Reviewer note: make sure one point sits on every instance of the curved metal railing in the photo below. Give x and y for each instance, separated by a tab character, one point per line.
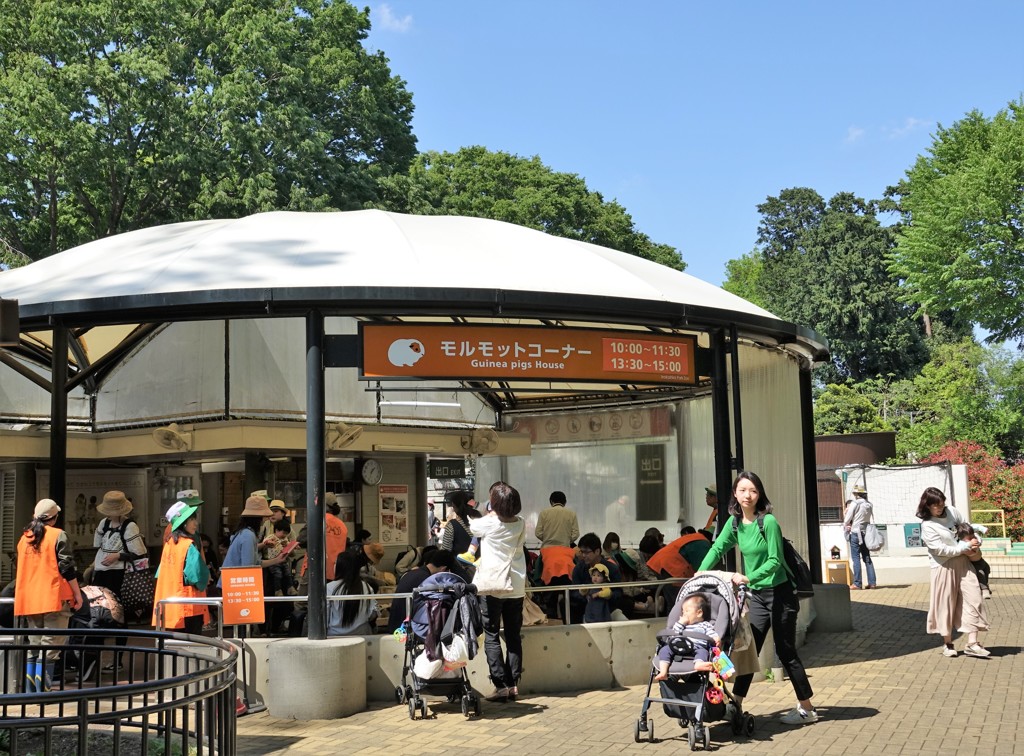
174	694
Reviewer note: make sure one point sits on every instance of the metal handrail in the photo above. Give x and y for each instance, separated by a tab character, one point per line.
173	694
567	590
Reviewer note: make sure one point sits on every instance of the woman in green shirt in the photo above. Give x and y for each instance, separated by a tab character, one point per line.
773	601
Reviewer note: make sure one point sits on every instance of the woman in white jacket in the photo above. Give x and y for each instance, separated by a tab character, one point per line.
955	591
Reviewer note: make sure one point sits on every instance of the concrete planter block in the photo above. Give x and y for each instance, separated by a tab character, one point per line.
321	679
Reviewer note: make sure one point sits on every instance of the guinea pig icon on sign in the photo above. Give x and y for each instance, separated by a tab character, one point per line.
405	352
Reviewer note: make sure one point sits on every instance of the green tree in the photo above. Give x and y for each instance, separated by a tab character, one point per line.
117	116
480	183
743	278
823	265
952	400
962	244
844	409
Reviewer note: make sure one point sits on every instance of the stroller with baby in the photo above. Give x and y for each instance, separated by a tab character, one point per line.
696	698
440	637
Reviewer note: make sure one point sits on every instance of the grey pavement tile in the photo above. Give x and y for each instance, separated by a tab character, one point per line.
883	687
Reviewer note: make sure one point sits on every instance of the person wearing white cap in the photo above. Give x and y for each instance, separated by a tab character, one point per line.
46	590
858	515
183	572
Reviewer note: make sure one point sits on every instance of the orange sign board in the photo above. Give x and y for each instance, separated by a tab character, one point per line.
513	353
242	591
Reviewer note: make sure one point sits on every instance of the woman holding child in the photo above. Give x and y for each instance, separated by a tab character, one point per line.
955	591
773	600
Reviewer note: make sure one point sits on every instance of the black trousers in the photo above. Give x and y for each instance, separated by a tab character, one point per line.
504	671
777	609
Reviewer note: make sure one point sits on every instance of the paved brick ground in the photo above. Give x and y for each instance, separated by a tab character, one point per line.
884	687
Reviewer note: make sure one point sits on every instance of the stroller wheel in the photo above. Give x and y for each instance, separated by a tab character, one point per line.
748	724
691	737
638	727
423	708
400	694
650	731
412	708
465	706
476	706
707	739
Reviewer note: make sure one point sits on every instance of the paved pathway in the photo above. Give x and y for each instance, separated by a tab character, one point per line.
882	688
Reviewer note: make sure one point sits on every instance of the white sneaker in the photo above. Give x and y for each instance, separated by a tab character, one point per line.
799	717
947	651
976	649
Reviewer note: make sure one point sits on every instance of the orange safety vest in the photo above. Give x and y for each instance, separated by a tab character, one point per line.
556	561
669	559
171	582
336	538
39	588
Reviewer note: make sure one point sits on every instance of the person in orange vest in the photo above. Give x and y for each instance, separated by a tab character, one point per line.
46	590
678	558
182	573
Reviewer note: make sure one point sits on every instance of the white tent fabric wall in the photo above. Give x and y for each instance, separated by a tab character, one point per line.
179	373
895	492
697	458
592	476
20	397
772	441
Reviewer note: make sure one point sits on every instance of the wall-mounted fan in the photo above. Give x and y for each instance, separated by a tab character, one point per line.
173	438
480	441
341	435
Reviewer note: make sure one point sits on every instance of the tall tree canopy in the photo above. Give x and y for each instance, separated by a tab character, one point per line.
823	265
962	245
117	116
478	182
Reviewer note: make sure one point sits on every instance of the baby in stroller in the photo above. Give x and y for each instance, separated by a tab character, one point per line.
695	624
703	622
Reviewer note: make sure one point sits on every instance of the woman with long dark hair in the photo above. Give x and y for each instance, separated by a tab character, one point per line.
46	590
350	617
456	536
955	599
773	600
244	548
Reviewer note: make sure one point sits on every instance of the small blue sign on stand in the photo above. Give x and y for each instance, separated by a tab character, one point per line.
912	534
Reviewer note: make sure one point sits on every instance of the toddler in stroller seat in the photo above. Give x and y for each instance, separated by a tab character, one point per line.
440	637
691	663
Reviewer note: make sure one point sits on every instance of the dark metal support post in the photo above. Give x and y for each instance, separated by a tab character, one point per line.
810	475
59	418
316	473
734	357
720	418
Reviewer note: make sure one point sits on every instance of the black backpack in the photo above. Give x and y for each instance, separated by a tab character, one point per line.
799	572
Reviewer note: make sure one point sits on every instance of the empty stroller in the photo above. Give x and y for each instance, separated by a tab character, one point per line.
440	638
689	695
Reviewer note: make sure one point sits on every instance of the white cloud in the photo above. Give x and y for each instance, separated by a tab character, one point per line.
910	125
854	134
388	21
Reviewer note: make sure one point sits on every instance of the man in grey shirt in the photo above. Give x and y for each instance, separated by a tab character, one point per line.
858	515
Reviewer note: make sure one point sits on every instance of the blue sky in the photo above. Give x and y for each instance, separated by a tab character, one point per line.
691	114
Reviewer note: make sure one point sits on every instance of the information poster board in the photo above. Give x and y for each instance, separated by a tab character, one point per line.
394	514
242	591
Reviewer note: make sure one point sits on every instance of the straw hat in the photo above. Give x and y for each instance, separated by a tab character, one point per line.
45	509
256	506
278	504
374	552
114	504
